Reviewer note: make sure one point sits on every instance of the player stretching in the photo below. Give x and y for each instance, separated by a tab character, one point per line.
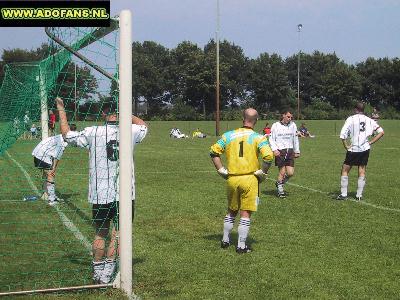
242	147
358	128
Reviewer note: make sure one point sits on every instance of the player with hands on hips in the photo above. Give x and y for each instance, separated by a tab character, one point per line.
242	148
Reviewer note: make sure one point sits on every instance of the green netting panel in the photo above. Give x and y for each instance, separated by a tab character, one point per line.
50	246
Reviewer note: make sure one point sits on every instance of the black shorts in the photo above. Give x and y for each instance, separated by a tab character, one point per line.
356	158
103	214
286	158
40	164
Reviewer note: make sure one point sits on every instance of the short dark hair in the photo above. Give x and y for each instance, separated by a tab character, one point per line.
109	107
72	127
359	106
285	111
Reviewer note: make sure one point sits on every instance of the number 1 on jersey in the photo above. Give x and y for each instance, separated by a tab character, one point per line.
241	149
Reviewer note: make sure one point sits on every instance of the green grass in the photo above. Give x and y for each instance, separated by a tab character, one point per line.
306	246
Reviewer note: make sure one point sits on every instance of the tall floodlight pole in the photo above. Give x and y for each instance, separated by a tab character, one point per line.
299	27
217	75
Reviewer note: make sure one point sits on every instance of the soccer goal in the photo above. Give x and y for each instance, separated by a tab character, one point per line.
48	248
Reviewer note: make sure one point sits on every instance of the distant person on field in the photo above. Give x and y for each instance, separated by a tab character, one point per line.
198	134
267	130
33	131
303	131
177	134
46	157
285	145
52	122
358	128
103	144
242	147
27	123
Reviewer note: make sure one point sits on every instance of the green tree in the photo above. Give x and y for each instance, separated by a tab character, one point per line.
189	74
341	85
381	81
234	73
151	65
268	82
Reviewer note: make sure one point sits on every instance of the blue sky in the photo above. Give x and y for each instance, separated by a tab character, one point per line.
354	29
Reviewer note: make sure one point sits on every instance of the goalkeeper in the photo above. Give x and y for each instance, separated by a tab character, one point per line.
242	147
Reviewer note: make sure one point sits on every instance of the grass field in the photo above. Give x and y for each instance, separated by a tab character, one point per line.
305	246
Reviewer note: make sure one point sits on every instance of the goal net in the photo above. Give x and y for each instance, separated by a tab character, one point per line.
50	247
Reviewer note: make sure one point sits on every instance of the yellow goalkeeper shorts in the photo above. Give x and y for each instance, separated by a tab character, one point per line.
242	192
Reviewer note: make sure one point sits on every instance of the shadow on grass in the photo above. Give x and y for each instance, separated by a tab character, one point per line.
234	239
87	219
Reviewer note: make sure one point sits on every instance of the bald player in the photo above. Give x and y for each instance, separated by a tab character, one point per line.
243	174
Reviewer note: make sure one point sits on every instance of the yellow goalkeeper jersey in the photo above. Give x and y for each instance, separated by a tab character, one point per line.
242	148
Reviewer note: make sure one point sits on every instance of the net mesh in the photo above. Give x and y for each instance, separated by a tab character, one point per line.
51	246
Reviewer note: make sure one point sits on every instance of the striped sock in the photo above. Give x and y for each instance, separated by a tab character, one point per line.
243	231
228	225
279	186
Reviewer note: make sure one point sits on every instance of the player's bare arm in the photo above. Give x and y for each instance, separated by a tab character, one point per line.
138	121
222	171
376	138
277	153
64	127
345	145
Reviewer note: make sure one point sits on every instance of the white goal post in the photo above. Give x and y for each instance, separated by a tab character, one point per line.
125	150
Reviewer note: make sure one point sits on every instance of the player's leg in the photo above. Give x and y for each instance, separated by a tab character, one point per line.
233	207
280	182
361	182
344	181
249	198
50	187
110	263
102	224
289	172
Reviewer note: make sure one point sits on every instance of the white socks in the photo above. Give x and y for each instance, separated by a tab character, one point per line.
228	225
51	190
98	267
344	183
103	270
360	186
243	231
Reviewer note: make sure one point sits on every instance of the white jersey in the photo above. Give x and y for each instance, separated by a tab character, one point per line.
50	148
102	142
359	128
284	137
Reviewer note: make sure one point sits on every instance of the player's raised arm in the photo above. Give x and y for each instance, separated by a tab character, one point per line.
64	127
138	121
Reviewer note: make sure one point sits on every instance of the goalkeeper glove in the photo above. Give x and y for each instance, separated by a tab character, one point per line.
223	172
261	176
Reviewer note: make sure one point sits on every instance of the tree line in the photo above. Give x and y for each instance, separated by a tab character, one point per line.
179	83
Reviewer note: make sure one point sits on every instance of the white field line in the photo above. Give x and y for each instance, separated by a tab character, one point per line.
289	183
67	222
326	193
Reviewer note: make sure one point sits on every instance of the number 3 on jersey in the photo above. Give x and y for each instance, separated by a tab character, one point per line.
362	126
